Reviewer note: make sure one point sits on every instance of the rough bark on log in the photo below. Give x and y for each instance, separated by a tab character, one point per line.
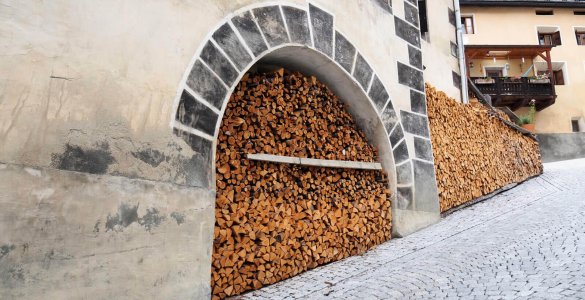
475	153
274	221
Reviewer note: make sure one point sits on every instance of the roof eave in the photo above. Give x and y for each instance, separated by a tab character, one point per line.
522	4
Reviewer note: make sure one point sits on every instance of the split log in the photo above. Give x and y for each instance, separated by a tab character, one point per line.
475	153
274	221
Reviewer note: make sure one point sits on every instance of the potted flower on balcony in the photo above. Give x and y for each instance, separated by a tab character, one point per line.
484	80
527	121
542	78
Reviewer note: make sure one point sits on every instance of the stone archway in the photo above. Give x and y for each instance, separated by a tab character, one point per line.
290	36
305	39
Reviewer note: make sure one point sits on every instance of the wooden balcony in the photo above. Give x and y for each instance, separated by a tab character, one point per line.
510	91
517	92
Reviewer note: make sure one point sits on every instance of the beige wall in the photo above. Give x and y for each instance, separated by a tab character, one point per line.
516	68
437	57
518	26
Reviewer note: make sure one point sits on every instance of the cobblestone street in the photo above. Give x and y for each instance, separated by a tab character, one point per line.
526	243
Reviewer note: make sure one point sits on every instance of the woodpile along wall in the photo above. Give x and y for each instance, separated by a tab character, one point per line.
475	153
274	221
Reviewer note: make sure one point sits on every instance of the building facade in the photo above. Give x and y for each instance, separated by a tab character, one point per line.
109	112
524	50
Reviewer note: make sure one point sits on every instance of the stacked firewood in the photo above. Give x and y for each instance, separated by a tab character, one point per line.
274	221
475	153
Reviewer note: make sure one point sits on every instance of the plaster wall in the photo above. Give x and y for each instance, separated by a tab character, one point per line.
518	26
438	60
516	67
561	146
88	105
72	235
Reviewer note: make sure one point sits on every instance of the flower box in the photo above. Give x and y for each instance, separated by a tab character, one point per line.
543	80
484	80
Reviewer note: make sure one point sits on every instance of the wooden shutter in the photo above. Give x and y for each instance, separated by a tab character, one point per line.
556	38
580	38
422	16
559	78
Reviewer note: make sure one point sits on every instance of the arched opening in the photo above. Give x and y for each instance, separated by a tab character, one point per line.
301	40
277	218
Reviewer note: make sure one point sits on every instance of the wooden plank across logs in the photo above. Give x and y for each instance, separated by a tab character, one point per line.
326	163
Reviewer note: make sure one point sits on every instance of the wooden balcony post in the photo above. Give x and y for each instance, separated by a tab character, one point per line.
549	65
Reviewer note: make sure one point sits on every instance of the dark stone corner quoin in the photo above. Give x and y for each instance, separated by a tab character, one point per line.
362	72
407	32
196	169
378	94
194	114
344	52
415	124
400	153
297	23
271	23
227	39
410	77
206	84
219	63
418	102
250	32
322	24
404	173
385	4
404	198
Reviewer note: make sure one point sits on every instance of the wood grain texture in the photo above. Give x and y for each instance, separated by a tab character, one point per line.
475	153
275	220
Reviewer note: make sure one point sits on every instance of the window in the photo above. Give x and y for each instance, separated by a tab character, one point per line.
559	77
494	72
452	17
422	16
580	38
545	12
553	39
575	125
467	22
559	71
456	80
579	13
454	49
549	35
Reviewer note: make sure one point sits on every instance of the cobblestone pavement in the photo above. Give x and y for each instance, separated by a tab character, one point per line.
526	243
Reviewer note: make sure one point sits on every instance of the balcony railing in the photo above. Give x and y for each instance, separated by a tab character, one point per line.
517	92
523	86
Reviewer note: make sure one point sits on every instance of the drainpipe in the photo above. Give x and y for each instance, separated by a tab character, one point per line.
461	53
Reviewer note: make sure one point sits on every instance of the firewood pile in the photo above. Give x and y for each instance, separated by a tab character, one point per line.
274	221
475	153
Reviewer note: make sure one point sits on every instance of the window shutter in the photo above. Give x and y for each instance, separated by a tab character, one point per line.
559	78
556	38
422	15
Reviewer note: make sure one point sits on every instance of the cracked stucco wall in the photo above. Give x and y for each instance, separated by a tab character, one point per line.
78	235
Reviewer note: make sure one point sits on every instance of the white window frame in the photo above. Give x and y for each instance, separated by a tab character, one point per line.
495	67
578	29
472	16
564	68
557	27
581	123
